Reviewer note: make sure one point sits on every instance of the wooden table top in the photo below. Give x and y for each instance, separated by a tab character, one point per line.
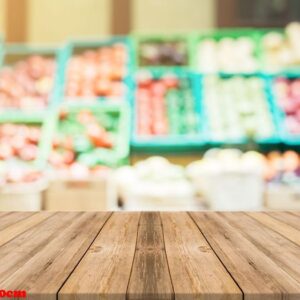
198	255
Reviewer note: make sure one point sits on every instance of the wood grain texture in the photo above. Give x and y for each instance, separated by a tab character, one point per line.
259	277
9	218
20	223
150	278
195	270
267	241
284	229
287	217
104	271
151	255
46	260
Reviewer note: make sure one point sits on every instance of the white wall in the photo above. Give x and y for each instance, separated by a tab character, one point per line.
57	20
173	15
2	16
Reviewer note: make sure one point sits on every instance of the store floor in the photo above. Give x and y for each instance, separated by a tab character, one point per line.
197	255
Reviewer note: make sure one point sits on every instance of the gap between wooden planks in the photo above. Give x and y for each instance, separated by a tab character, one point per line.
151	255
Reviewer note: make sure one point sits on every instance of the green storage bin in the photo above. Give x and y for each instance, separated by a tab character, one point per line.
139	39
111	113
43	150
263	142
11	54
78	46
217	35
284	71
173	142
287	138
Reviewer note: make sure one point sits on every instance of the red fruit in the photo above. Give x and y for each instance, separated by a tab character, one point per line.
68	157
56	159
85	117
171	82
28	153
158	89
295	89
63	114
102	87
98	136
6	152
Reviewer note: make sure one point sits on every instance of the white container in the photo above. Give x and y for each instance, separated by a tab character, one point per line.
161	199
234	191
23	196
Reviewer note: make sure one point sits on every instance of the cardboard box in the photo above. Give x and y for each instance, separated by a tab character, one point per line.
283	197
92	194
23	196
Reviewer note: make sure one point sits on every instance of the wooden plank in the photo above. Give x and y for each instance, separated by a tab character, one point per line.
259	277
195	270
16	20
121	17
104	271
20	223
284	229
150	278
9	218
150	218
43	274
268	241
287	217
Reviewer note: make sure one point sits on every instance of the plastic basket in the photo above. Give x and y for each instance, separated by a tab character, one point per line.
81	45
159	38
263	142
286	137
197	38
116	156
40	161
14	52
291	71
173	143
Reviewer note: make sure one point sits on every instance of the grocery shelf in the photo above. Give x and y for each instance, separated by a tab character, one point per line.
79	46
172	142
13	53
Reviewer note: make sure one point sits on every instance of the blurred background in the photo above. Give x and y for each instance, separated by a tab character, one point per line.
44	21
149	104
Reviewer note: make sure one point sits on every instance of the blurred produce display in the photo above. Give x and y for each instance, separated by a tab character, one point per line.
287	93
283	167
227	54
79	136
19	141
162	53
229	179
98	73
19	148
155	184
165	105
237	108
235	98
281	50
89	138
27	84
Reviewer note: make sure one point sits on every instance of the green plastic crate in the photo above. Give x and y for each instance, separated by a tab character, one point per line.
114	157
264	143
287	138
159	38
173	142
291	71
217	35
74	46
14	52
43	153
